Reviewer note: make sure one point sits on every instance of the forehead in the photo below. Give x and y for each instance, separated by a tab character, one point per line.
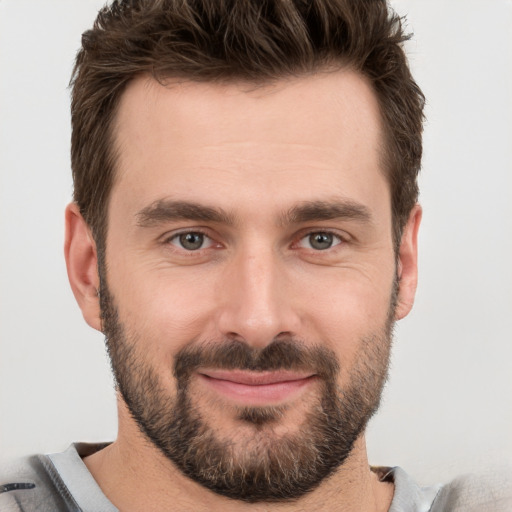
304	135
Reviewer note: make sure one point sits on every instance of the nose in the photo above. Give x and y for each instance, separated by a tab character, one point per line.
257	301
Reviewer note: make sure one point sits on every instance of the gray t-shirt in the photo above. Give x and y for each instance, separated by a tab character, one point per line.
61	482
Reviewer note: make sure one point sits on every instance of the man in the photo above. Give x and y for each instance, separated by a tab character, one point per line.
244	232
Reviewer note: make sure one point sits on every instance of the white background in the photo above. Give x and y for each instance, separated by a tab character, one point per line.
448	406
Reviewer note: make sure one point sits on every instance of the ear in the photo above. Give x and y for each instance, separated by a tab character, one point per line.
408	264
82	265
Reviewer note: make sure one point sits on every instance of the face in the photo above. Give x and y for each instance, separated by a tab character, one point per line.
248	292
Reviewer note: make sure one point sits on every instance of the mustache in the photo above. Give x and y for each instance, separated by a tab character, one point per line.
280	354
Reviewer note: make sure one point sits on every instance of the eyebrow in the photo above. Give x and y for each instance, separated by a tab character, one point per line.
327	210
165	210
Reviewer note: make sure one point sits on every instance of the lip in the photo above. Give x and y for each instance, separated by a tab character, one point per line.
256	388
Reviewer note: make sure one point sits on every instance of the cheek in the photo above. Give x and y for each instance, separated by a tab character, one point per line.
348	310
168	309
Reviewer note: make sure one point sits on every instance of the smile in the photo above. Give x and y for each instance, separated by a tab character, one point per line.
256	388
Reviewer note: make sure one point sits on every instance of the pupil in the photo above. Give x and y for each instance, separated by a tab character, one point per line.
320	241
191	241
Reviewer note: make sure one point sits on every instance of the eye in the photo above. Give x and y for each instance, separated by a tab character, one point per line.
191	241
320	241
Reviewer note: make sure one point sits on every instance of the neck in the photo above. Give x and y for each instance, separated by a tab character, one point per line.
135	475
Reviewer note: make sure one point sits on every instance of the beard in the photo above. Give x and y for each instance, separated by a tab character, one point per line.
253	462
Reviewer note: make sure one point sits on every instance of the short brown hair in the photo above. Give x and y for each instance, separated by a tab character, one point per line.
228	40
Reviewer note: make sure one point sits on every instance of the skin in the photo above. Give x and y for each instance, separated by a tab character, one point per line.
255	153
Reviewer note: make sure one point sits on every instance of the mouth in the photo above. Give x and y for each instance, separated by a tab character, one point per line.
256	388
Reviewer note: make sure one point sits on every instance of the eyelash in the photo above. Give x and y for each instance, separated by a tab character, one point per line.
334	235
341	240
196	231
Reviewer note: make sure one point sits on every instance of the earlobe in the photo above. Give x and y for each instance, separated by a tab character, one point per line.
407	267
82	265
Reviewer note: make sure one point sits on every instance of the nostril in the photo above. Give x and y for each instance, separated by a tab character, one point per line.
234	336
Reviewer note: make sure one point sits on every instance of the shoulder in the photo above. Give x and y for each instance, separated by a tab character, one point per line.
485	491
27	485
488	491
